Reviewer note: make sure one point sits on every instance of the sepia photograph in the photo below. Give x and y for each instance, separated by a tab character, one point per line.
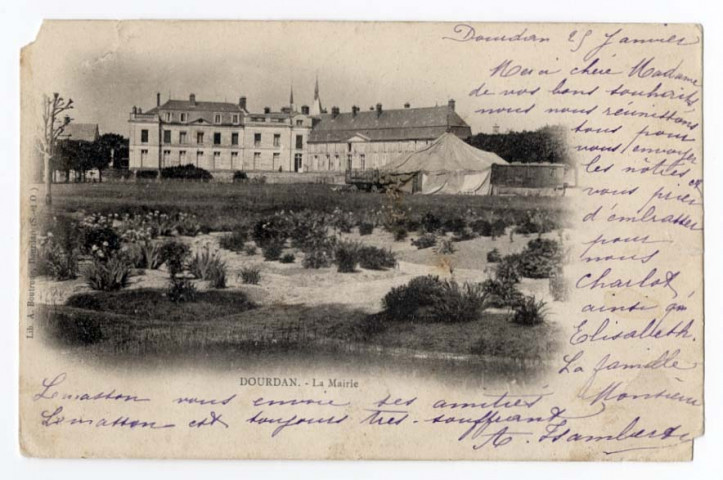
304	216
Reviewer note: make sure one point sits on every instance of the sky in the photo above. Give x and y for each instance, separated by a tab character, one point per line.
108	67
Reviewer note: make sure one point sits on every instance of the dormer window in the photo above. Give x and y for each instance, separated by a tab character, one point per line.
217	118
169	116
235	118
183	117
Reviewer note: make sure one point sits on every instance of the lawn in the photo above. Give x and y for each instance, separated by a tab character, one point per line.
294	309
221	206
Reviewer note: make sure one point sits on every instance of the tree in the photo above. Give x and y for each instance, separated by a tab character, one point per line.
110	147
53	127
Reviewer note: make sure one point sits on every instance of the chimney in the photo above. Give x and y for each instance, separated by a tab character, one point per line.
406	105
304	109
158	99
192	99
334	111
242	103
267	109
135	110
451	104
379	109
354	110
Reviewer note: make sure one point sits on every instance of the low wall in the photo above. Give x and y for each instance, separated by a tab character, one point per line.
331	178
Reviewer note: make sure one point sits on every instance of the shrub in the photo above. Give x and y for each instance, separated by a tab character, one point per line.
540	258
559	286
482	227
174	255
109	275
101	237
240	177
493	256
274	229
186	172
454	224
431	223
530	312
234	241
182	290
187	224
56	262
508	269
465	234
146	174
217	275
374	258
497	228
366	228
250	250
425	241
444	247
272	251
346	256
537	221
407	302
456	304
207	265
501	294
287	258
319	253
251	275
342	221
146	254
400	233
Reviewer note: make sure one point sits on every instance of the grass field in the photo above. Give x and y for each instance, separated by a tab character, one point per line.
294	310
221	205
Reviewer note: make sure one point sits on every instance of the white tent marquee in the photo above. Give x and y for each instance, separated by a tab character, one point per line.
447	166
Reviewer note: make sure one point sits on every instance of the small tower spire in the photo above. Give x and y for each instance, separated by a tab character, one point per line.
316	106
291	99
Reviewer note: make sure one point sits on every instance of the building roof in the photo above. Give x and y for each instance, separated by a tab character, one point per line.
389	125
87	132
188	106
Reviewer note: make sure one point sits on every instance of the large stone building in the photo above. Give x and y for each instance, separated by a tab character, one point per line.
217	136
369	139
226	137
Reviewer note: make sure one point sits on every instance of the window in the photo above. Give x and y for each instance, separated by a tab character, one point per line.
234	158
217	118
217	138
166	136
166	157
216	158
276	161
328	161
277	140
299	142
183	117
182	157
144	137
336	161
363	161
169	116
297	162
182	137
299	123
257	140
348	161
257	159
235	118
234	139
199	158
199	138
144	156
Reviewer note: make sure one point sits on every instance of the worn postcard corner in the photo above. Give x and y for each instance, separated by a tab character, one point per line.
362	240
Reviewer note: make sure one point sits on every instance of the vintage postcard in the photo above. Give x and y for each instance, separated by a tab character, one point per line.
362	240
